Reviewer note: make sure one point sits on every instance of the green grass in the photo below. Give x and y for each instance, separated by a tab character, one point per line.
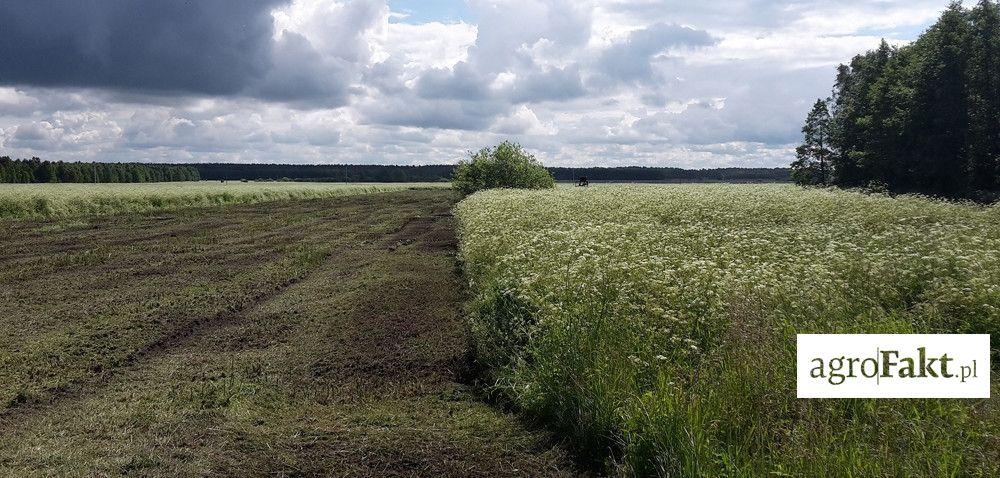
43	201
658	322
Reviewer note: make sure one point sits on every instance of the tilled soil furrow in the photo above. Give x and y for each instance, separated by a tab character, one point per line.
350	365
42	349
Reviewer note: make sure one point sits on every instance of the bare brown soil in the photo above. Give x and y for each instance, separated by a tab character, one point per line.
311	338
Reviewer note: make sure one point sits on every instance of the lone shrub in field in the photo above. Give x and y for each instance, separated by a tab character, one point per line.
506	165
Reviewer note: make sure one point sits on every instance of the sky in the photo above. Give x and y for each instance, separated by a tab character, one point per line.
718	83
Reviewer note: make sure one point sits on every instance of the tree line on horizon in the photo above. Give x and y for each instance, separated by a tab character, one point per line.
340	173
445	172
665	174
38	171
923	118
35	170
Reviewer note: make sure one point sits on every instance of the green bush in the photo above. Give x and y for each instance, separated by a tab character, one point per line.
506	165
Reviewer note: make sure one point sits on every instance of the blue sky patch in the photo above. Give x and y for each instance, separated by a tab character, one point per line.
424	11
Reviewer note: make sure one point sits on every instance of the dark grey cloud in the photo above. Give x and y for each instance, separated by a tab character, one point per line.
202	46
462	82
552	84
300	73
439	113
631	59
462	97
32	132
385	76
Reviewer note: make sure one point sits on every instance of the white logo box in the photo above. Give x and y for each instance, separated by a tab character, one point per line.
902	369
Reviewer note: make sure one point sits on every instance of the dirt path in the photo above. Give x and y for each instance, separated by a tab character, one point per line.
333	345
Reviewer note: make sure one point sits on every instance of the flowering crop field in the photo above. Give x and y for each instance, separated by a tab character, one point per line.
658	322
43	201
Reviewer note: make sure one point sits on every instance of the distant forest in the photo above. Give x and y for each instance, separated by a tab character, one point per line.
922	118
377	173
35	170
38	171
323	172
638	173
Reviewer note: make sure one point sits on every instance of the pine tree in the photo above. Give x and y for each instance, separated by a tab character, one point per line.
813	162
984	97
882	122
938	134
853	119
845	171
